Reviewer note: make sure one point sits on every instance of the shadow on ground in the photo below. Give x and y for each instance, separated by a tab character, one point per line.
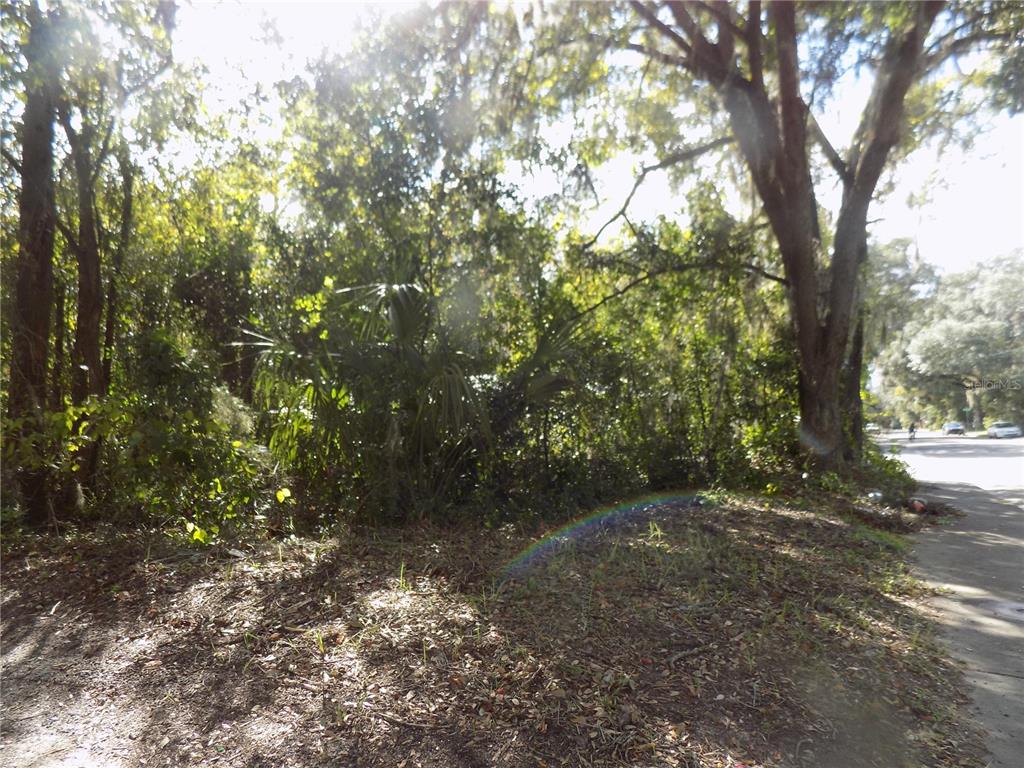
978	562
672	635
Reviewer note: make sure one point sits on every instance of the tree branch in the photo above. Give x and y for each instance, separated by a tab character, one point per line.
833	156
653	53
675	269
704	55
881	122
877	134
765	274
688	154
11	159
102	154
687	22
614	295
958	46
791	105
651	16
723	14
68	234
673	159
754	44
64	118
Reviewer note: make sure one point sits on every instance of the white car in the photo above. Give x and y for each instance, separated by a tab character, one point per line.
1004	429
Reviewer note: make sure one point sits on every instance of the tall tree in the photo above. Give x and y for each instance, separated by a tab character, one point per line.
30	323
771	123
99	80
86	366
965	345
763	67
127	172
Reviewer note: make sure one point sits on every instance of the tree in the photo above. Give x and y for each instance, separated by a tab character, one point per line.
965	345
765	68
98	81
30	323
92	70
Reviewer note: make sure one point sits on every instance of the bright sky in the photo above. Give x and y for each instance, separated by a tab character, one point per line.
977	198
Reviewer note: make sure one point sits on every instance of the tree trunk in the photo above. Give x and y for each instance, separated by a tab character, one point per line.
974	403
110	330
821	425
852	406
823	327
57	369
86	363
86	357
37	219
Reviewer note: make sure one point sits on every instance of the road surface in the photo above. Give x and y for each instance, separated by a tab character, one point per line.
979	560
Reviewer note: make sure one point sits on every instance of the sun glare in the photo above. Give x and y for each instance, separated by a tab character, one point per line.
245	45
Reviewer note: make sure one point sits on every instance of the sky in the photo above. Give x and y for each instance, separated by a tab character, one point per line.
976	205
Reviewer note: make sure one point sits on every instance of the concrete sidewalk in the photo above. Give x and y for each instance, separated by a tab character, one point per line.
979	559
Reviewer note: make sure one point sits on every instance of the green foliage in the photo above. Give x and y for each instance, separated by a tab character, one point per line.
172	451
960	356
177	447
886	473
389	401
364	319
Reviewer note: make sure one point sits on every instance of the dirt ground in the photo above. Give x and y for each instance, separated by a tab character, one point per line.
739	632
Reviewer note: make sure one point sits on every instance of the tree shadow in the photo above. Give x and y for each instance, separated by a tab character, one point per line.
667	631
981	610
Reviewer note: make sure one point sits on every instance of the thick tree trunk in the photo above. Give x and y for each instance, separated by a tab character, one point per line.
772	132
30	325
821	425
775	146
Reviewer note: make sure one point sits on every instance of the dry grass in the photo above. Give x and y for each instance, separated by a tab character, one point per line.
736	633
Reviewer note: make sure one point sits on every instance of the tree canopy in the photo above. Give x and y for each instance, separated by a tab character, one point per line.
371	315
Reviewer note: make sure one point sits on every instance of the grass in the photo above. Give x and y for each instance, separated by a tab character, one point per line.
884	539
756	630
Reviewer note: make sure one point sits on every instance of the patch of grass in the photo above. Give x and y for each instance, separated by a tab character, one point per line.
885	539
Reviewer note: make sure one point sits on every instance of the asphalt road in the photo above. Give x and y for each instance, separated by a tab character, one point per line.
979	562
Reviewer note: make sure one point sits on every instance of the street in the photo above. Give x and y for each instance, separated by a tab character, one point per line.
994	465
978	561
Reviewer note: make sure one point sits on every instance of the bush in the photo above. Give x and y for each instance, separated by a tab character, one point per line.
884	473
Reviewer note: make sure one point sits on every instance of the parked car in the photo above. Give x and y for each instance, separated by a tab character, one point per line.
952	428
871	428
1004	429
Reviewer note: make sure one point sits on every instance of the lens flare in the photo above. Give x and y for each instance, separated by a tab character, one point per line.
603	519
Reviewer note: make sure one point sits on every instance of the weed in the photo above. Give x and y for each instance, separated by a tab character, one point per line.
654	532
884	539
403	583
